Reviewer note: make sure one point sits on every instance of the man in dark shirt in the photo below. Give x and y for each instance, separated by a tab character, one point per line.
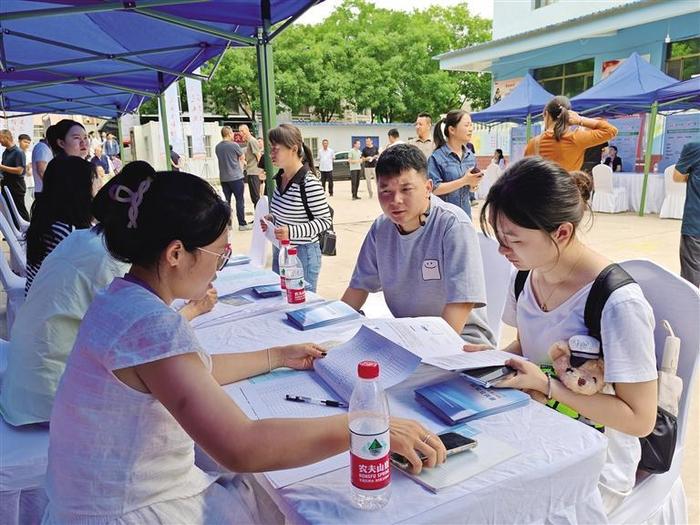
688	172
612	159
12	168
174	159
370	153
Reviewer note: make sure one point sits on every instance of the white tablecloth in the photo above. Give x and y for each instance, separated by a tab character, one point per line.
633	182
553	480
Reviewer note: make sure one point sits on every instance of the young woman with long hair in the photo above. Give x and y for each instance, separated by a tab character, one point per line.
69	186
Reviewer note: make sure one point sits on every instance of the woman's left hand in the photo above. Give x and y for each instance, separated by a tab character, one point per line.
528	376
282	233
300	356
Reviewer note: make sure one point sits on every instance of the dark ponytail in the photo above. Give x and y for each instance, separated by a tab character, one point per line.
558	110
174	206
537	194
451	120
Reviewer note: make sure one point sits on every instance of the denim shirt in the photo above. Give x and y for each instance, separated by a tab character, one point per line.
445	166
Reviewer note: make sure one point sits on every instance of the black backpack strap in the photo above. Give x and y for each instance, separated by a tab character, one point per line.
304	199
520	279
610	279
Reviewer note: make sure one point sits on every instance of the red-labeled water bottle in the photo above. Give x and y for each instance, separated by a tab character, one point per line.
294	278
368	416
283	261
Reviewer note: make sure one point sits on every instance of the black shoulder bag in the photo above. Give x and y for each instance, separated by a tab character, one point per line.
326	239
659	446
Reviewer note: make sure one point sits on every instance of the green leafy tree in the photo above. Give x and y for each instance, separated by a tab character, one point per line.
234	86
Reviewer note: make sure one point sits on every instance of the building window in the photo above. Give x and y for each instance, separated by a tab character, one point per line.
312	143
683	59
566	79
207	146
543	3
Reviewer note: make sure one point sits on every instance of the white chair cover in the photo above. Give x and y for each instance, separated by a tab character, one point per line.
259	244
5	211
497	271
14	289
23	224
674	201
18	253
606	197
491	175
23	460
659	498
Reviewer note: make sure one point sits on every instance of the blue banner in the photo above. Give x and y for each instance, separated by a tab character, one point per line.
680	129
518	141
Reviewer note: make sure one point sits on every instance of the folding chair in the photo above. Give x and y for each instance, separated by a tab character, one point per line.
607	198
659	498
23	224
14	289
18	253
674	199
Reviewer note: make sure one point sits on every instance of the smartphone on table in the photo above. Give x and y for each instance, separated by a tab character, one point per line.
454	443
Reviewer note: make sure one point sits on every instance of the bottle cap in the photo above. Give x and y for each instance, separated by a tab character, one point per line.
368	369
292	251
284	241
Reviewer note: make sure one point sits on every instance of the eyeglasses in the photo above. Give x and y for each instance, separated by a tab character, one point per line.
223	257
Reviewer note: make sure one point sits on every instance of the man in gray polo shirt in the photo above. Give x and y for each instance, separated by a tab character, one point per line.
423	253
230	156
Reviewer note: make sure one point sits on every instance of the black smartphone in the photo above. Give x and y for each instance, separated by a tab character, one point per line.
475	170
454	443
488	375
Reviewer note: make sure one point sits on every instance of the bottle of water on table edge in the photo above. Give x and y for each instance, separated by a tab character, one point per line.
294	278
283	261
368	416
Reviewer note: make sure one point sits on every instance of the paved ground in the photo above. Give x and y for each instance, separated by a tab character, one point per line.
619	237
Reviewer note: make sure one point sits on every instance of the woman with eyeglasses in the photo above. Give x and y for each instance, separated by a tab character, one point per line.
139	390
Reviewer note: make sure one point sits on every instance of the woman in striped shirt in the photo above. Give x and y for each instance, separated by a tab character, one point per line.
69	186
298	209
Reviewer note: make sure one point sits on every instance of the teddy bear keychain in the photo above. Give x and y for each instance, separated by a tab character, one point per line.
578	365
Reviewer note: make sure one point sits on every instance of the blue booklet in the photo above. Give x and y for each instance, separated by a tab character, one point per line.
458	400
322	314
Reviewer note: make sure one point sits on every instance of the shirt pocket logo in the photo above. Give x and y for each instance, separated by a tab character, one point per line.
431	270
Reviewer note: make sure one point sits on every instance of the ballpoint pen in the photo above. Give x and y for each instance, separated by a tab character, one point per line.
326	402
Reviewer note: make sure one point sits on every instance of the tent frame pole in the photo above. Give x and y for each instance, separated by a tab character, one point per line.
528	128
87	9
647	155
266	85
164	123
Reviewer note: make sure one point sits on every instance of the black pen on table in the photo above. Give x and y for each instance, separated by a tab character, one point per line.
326	402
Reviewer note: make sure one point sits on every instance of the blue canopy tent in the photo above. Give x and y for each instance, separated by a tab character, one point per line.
103	58
632	88
680	96
527	99
629	89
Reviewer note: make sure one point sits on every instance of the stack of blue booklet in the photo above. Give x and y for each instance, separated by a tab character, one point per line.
322	314
458	400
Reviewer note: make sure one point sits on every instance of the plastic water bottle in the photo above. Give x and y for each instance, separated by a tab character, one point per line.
369	440
294	278
283	261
